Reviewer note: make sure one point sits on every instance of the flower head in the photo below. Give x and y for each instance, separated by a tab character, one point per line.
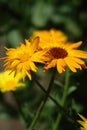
65	54
60	53
49	37
9	82
83	122
23	57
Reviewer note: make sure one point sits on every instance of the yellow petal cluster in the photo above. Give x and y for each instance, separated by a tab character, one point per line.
65	54
50	47
8	82
22	58
49	37
83	122
60	52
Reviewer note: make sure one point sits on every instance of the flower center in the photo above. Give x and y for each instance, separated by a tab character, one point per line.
58	52
24	57
10	84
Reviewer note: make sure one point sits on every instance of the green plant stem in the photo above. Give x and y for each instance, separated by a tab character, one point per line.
61	109
64	97
42	88
38	113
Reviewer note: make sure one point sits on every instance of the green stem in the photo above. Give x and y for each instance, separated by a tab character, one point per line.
61	109
38	113
64	97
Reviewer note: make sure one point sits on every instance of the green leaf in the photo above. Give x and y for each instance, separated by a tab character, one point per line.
58	83
71	89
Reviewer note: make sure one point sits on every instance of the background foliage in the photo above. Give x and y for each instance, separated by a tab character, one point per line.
18	19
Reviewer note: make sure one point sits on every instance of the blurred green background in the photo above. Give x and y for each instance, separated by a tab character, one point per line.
18	20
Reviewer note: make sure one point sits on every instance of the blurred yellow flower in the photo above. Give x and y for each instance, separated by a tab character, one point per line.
48	38
83	122
8	82
22	58
65	54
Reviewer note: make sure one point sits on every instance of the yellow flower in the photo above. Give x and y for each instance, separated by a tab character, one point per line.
83	122
23	57
8	82
61	53
50	37
65	54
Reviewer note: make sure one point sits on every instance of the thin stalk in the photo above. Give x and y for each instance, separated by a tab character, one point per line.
61	109
64	97
38	113
57	104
